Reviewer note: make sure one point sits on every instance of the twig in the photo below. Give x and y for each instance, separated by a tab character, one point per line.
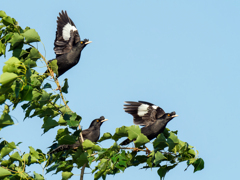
133	149
81	137
82	171
55	79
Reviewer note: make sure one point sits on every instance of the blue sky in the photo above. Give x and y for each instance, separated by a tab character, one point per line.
180	55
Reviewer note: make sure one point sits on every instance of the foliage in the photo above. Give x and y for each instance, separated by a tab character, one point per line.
22	84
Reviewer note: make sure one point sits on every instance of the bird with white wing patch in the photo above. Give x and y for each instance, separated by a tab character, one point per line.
67	45
152	117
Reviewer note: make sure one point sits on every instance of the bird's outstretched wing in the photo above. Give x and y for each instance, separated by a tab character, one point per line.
66	34
144	113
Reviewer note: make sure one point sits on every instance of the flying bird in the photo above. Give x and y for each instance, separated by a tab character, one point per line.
67	45
92	134
146	114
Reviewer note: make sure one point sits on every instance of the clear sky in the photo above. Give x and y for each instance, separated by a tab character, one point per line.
180	55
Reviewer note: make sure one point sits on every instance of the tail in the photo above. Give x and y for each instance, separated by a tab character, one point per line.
125	142
62	148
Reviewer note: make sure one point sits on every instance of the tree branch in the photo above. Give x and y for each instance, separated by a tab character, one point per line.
82	171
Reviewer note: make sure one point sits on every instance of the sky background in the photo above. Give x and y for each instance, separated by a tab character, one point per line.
180	55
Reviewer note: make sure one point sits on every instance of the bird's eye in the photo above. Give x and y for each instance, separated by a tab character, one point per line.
168	115
98	120
81	42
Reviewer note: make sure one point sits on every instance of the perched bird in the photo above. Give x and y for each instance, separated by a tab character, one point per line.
146	114
68	45
92	134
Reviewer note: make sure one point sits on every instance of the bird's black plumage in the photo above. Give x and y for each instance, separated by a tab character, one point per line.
67	45
152	117
92	134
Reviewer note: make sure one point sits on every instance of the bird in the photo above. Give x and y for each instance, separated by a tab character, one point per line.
152	117
67	45
92	134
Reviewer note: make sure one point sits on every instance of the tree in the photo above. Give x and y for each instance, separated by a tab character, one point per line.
22	85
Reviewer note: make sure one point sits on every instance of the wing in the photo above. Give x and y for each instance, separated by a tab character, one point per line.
144	113
85	133
66	34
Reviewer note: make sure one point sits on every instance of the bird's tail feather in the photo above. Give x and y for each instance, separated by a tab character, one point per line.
61	148
125	142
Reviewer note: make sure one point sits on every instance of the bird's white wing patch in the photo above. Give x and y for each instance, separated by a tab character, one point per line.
66	31
143	109
154	107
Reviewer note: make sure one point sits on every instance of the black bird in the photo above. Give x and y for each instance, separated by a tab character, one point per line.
146	114
92	134
67	45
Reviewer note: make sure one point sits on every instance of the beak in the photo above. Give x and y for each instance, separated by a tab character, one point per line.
88	42
104	120
174	115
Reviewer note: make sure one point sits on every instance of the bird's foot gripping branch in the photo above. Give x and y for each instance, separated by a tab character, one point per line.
22	85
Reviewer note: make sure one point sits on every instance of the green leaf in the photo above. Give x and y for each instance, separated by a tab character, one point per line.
4	172
61	121
67	139
26	93
7	20
162	171
2	48
12	65
45	97
36	94
34	153
65	87
3	14
87	144
192	152
34	54
7	149
30	63
141	139
16	157
53	65
16	40
38	176
62	132
66	175
105	136
82	159
133	132
72	124
5	120
49	123
172	141
35	80
2	98
31	36
29	159
160	142
8	36
18	88
120	132
158	157
47	85
7	78
198	165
